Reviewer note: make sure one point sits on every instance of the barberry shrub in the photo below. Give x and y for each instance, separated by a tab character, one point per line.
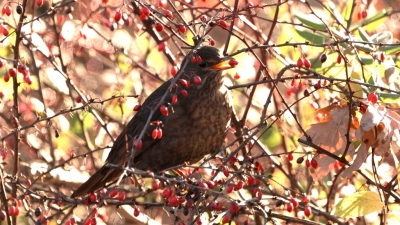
314	136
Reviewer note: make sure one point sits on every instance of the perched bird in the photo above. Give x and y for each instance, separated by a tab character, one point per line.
195	124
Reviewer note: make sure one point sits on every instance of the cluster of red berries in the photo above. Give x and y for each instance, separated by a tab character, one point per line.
313	162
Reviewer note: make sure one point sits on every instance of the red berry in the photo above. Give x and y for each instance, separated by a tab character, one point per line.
239	185
154	185
193	59
6	77
225	170
105	1
136	211
339	59
145	11
308	164
184	93
250	180
121	196
364	14
203	18
223	24
113	193
229	188
159	27
162	3
28	182
226	219
300	63
143	16
305	199
373	98
198	59
2	215
12	72
289	207
314	163
168	14
93	196
174	70
138	143
167	193
234	208
236	76
8	10
174	98
159	135
292	82
294	202
117	16
1	63
173	200
154	134
307	211
5	31
382	57
300	85
290	156
162	46
164	110
307	63
233	62
181	28
136	108
212	42
211	184
196	80
189	203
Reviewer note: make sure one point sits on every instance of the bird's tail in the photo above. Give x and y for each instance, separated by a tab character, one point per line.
97	181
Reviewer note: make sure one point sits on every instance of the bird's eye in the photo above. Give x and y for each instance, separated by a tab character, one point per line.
203	64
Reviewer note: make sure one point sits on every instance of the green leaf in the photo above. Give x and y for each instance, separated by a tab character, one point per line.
366	59
393	49
347	12
313	37
389	97
358	204
365	37
311	21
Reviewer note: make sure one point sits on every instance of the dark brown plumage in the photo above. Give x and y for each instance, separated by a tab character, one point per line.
196	124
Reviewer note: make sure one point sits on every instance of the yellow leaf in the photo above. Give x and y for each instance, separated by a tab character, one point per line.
393	216
358	204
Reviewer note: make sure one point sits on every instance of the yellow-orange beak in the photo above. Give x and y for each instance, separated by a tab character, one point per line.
224	64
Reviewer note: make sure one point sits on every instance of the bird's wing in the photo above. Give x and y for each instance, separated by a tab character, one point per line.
120	150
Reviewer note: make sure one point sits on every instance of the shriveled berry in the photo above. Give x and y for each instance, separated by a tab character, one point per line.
19	9
2	215
300	160
38	211
364	14
203	18
323	58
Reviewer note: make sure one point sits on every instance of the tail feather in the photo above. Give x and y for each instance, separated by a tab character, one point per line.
97	181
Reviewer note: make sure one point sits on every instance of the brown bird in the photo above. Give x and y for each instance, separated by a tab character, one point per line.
195	126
